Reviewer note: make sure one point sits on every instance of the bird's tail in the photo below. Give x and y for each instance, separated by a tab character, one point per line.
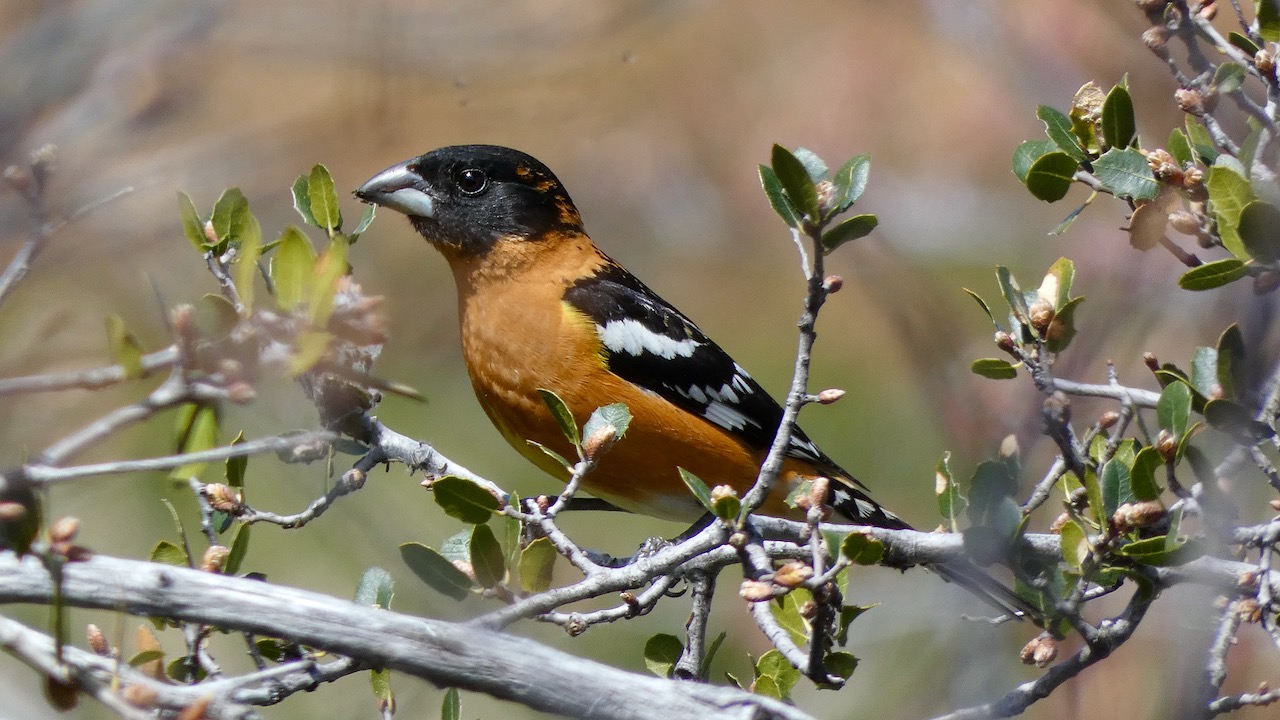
848	499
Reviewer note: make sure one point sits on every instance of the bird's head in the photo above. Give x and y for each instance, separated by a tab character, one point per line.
464	198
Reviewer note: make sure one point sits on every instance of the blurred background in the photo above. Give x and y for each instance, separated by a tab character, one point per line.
654	114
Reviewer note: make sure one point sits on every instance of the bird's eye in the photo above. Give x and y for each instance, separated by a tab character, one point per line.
472	181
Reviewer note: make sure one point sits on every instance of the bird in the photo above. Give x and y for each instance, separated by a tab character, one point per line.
541	307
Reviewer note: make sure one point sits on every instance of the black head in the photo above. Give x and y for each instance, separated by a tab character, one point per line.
466	197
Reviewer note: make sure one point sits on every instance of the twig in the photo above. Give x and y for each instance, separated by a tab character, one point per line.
93	379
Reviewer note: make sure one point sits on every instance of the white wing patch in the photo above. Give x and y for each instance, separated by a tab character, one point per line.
632	337
727	416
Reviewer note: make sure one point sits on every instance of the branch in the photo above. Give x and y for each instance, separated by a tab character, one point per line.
447	654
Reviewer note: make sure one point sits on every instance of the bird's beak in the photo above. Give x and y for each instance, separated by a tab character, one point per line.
398	188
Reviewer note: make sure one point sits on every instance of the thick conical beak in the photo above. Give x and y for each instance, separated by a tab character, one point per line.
398	188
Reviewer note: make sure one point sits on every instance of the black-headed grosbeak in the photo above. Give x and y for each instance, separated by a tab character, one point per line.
542	307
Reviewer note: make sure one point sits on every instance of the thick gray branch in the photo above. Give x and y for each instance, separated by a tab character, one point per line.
447	654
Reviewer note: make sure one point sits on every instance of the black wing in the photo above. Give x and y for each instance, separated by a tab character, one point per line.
653	345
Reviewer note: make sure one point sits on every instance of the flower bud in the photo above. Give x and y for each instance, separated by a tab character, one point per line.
756	591
1248	610
1059	523
1184	222
808	609
1005	342
64	530
223	498
1149	359
1137	515
576	625
819	491
599	441
1166	445
1040	314
1265	61
1040	651
97	641
210	233
355	478
826	191
1190	100
1108	419
792	574
1208	11
214	557
830	395
1155	37
832	284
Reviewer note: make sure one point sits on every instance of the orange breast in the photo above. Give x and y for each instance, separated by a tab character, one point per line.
518	336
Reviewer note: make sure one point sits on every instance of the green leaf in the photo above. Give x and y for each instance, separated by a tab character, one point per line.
1027	153
814	165
433	569
1268	19
562	416
169	554
713	647
1204	370
1075	548
848	614
1229	193
457	547
697	487
862	549
486	557
1201	141
366	218
851	229
236	466
1174	408
1118	126
1229	77
464	500
230	215
994	369
778	199
851	181
552	454
616	415
775	668
1259	230
727	507
1180	147
324	199
246	268
192	228
842	664
1142	478
1058	127
1233	419
201	434
1243	43
1126	173
1231	353
1064	271
292	268
329	271
1012	293
1116	489
1050	176
951	502
1213	274
239	549
982	304
795	180
537	561
302	199
125	349
380	684
376	588
215	316
661	653
1154	551
451	707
